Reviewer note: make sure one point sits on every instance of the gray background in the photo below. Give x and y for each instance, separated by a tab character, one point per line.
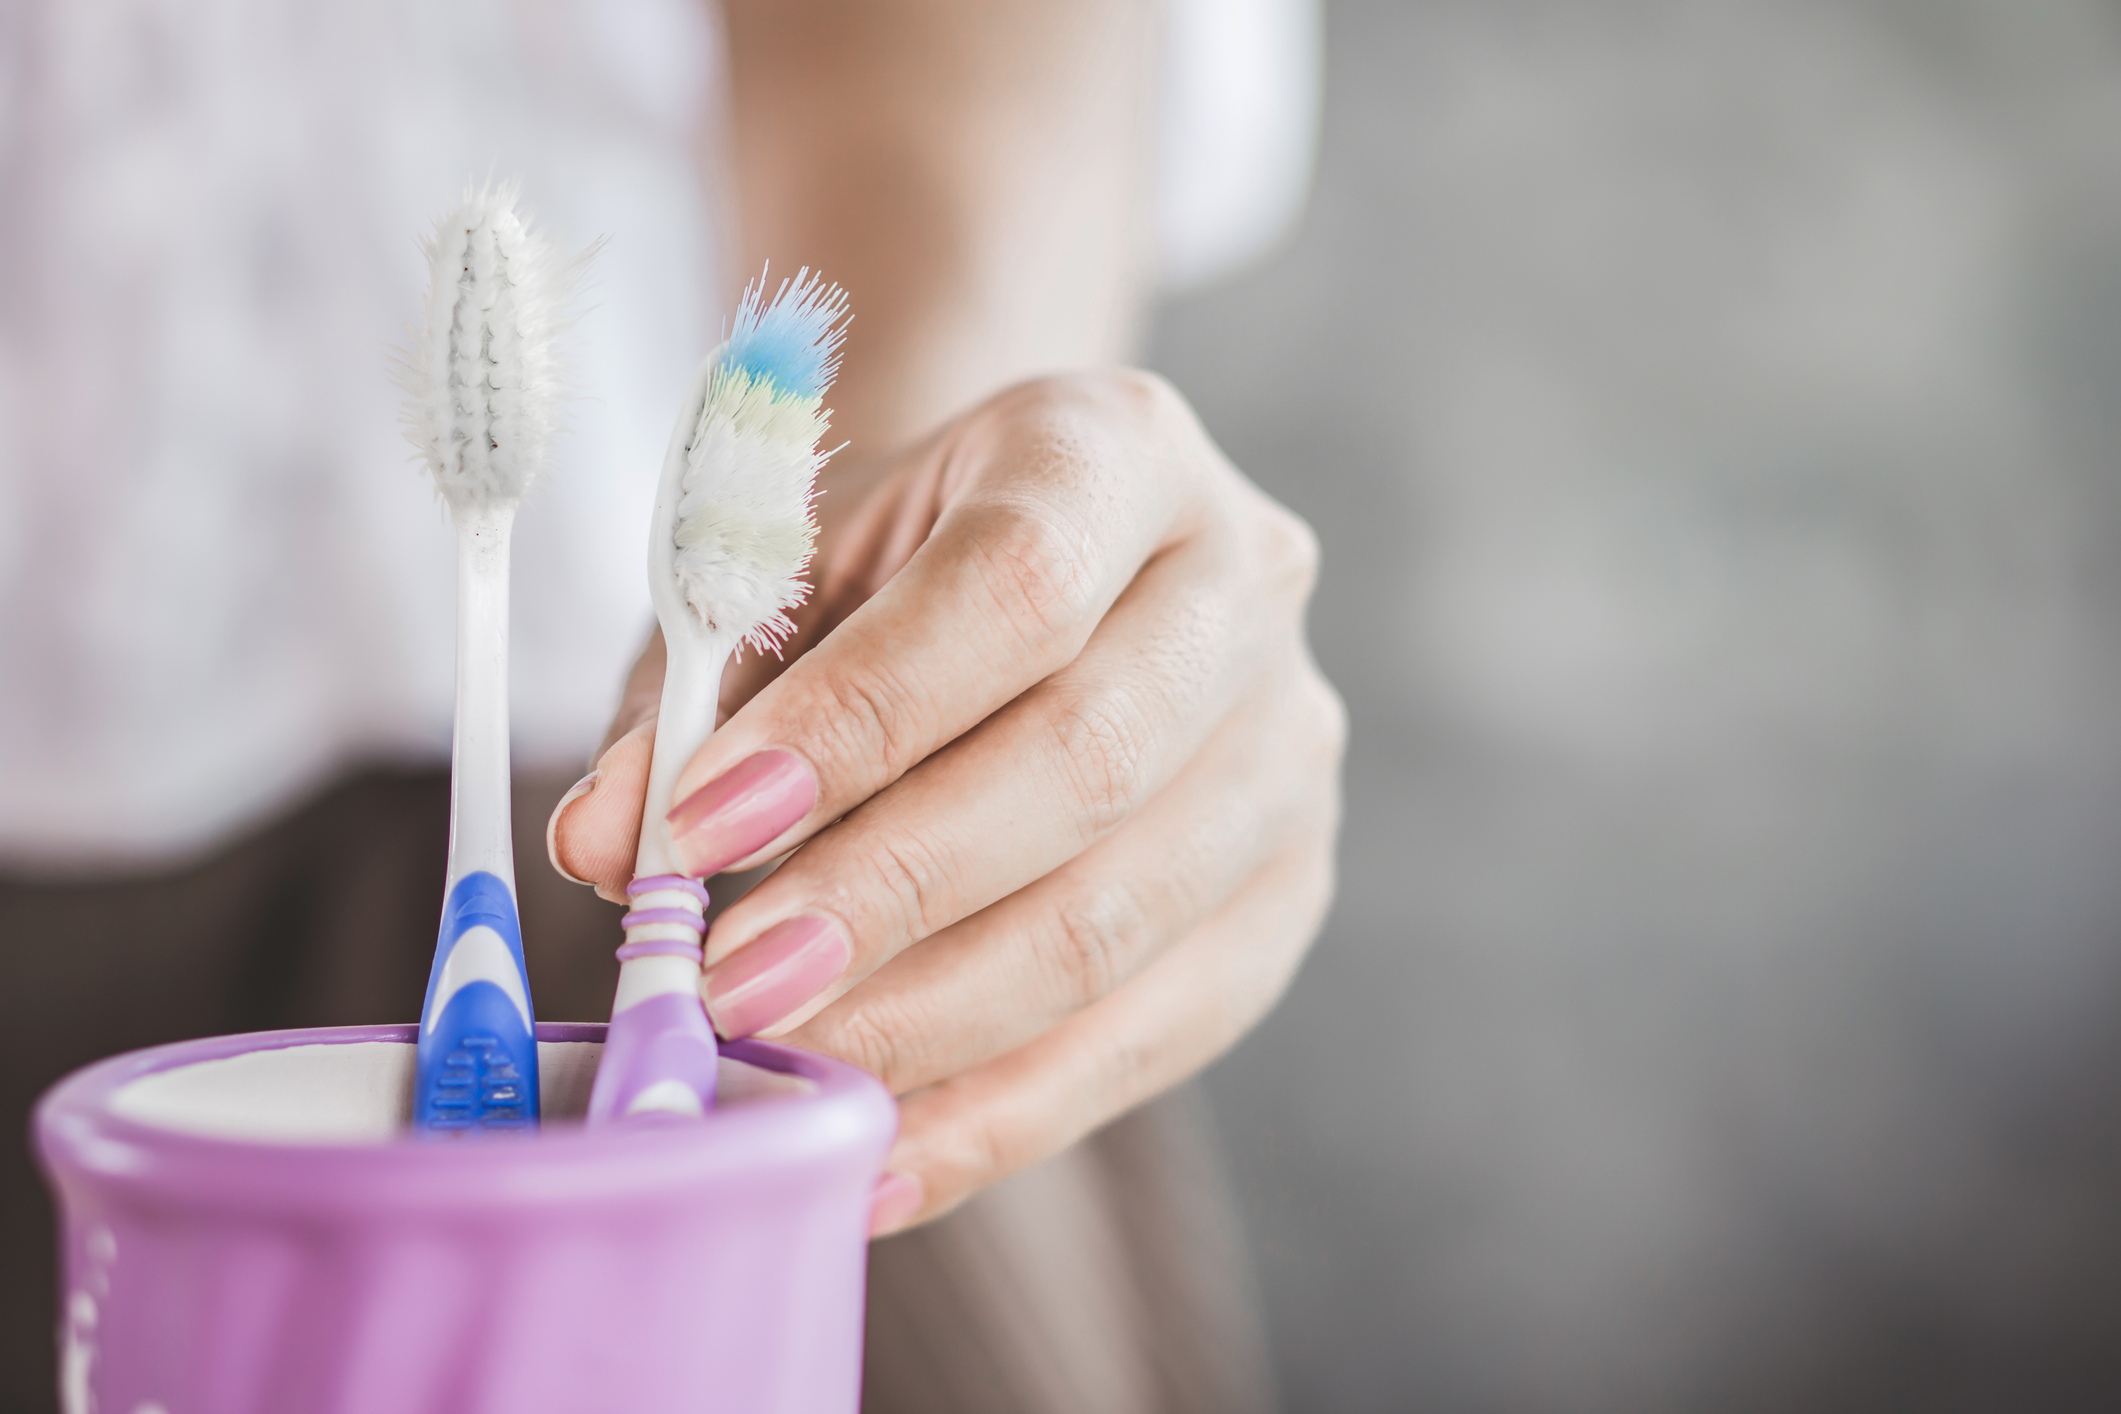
1709	411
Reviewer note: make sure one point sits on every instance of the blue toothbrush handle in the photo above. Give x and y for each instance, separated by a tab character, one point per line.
478	1051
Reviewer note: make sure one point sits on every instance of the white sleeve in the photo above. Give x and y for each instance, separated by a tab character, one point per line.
1238	126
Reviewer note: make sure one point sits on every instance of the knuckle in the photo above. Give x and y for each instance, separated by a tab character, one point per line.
1328	714
1259	977
864	1036
1149	395
1097	934
1318	882
989	1152
1036	572
977	1147
1261	987
1312	720
1323	810
1289	551
914	873
1105	758
1135	392
1127	1072
1321	806
867	715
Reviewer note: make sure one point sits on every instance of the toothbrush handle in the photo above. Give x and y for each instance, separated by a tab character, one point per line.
660	1052
480	823
477	1059
476	1064
692	685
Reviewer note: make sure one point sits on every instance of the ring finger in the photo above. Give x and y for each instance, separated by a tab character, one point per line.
1185	1009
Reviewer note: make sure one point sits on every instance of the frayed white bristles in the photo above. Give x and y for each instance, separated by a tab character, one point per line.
745	524
483	380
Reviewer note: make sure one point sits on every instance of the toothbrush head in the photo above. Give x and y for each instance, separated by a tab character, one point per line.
745	526
483	381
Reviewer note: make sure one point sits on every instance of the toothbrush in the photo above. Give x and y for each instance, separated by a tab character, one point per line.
732	534
482	388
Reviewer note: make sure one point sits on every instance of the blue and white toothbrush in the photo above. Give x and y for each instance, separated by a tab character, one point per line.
732	534
483	386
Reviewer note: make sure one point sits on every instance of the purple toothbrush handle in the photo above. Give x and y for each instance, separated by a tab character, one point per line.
665	1040
659	1053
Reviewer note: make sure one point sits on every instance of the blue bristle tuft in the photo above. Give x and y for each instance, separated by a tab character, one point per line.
795	340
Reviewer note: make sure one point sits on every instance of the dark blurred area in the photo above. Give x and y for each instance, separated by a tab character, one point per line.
1710	414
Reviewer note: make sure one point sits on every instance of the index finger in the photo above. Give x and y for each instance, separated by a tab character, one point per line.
1054	498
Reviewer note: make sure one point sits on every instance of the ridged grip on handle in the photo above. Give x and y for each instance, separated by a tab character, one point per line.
478	1057
659	1054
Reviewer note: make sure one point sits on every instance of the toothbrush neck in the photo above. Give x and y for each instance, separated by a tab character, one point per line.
479	804
692	685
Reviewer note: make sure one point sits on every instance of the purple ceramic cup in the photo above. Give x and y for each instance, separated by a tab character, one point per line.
694	1265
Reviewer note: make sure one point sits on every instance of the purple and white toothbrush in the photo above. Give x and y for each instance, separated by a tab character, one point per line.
733	533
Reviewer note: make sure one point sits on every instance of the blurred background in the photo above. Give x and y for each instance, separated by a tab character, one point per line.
1710	412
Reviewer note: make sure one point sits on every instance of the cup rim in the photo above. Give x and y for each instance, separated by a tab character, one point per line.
82	1141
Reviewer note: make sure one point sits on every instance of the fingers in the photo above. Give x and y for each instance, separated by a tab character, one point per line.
1065	784
595	828
1032	786
1264	784
1181	1012
1018	797
594	833
1055	496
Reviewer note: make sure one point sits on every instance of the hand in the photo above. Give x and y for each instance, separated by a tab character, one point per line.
1063	773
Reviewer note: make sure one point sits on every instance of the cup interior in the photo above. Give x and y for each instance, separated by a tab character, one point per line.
360	1092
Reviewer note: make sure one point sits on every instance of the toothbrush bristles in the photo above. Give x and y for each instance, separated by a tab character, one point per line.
745	523
483	380
794	340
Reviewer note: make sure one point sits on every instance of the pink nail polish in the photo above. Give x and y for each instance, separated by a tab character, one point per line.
741	811
897	1198
773	974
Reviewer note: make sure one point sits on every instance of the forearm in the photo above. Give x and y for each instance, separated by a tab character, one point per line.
975	174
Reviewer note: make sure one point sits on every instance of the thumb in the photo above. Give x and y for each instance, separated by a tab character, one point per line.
595	830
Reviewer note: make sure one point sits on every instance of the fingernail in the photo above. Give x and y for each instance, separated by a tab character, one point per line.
741	811
575	792
897	1198
773	974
